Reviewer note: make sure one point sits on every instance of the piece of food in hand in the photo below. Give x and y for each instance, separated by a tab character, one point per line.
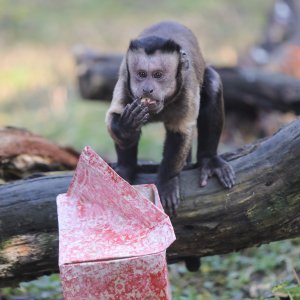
148	101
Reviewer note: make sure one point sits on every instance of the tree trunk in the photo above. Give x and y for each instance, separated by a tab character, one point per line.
244	89
23	153
263	207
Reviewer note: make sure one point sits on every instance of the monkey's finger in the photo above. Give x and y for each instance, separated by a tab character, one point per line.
132	107
125	112
138	124
170	208
220	176
140	119
177	196
166	205
127	115
223	178
231	176
227	181
131	116
174	205
141	114
173	214
203	178
131	119
231	173
174	211
136	102
169	201
143	119
137	110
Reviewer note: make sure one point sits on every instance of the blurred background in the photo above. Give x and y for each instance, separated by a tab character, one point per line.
38	92
37	79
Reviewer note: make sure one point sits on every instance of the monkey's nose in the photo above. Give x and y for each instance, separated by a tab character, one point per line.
148	91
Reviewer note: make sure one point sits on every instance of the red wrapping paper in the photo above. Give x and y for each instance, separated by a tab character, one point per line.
112	236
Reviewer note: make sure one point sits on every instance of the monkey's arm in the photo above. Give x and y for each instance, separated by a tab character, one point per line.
210	125
176	149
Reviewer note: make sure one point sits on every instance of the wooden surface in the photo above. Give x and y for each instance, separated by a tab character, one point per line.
23	153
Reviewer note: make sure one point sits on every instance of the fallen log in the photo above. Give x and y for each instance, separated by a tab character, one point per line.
264	206
23	153
244	89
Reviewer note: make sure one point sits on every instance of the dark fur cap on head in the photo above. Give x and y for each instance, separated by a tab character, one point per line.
152	43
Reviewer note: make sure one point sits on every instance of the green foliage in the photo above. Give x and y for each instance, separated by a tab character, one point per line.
248	274
44	288
287	289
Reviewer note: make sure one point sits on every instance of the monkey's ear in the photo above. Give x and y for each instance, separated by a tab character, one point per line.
184	60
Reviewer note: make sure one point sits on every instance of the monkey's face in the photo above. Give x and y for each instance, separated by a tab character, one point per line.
153	77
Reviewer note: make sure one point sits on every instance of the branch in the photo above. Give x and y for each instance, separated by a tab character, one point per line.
23	153
264	206
243	88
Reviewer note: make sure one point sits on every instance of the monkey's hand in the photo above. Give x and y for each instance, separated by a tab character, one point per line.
134	116
209	166
169	195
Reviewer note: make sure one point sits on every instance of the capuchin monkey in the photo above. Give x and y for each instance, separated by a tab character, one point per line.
163	77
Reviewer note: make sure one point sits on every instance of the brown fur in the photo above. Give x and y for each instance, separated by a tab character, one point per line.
182	113
162	78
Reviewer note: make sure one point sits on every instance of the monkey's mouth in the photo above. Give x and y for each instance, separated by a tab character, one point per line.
149	102
154	105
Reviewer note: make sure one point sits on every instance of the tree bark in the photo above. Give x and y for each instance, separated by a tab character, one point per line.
23	153
264	206
244	89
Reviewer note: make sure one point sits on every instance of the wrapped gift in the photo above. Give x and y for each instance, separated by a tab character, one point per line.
112	236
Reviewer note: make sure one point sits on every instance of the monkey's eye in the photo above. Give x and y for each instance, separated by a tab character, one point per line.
157	74
142	74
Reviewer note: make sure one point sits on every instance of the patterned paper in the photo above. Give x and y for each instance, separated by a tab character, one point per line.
143	277
111	236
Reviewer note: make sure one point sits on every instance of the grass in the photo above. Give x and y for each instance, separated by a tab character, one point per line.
38	92
248	274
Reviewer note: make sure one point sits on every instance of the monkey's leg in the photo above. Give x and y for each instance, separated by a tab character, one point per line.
176	149
126	131
192	263
126	162
189	157
210	125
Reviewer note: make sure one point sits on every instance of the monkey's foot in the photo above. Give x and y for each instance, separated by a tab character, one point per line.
127	173
169	195
192	263
209	166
